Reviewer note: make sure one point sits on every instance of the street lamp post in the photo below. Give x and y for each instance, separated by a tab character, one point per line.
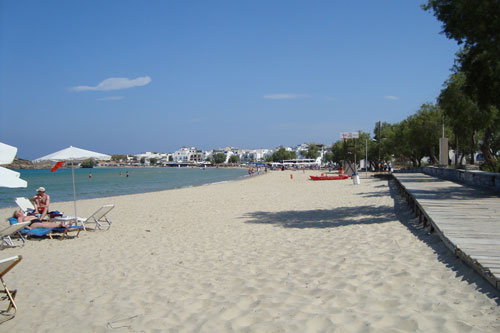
366	159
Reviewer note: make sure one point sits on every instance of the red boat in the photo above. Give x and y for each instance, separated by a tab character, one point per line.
323	177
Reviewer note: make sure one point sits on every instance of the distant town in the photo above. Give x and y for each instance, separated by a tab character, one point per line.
311	154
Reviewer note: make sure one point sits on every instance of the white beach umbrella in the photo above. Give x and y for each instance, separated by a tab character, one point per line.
7	153
72	154
9	178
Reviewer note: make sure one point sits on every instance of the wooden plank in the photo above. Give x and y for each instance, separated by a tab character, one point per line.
466	218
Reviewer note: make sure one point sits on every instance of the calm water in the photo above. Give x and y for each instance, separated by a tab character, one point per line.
108	182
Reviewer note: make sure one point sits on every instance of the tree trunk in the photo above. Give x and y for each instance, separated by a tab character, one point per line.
472	150
462	159
456	150
489	158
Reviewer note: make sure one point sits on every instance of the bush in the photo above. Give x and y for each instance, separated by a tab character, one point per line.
88	164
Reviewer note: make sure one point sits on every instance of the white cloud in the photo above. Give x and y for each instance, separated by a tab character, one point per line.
283	96
116	83
110	98
394	98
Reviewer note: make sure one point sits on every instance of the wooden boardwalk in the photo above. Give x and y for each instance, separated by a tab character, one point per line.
467	219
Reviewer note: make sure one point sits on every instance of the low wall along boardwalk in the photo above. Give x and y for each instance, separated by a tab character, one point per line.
486	180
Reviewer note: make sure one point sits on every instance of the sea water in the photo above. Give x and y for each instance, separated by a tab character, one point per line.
107	182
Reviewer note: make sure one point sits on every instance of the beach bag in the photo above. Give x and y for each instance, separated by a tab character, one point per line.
55	213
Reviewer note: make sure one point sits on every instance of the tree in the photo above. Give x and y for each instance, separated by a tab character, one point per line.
219	158
460	110
153	161
143	160
412	139
88	164
118	157
338	151
311	152
282	154
425	129
234	159
476	26
328	157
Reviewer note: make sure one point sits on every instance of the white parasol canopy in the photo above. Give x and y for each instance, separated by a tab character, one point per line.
9	178
73	154
7	153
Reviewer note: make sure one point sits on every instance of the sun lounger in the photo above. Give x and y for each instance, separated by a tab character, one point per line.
5	266
41	232
11	230
25	204
99	218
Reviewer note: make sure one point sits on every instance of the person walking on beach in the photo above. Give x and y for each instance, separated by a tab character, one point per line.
41	201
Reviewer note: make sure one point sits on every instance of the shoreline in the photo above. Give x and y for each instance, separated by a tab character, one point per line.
262	254
151	191
121	195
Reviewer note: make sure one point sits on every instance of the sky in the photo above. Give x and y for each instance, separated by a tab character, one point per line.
125	77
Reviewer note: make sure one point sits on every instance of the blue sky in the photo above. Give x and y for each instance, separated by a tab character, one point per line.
135	76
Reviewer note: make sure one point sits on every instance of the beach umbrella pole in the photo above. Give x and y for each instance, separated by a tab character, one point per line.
74	193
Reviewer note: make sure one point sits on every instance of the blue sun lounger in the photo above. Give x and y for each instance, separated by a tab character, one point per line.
41	232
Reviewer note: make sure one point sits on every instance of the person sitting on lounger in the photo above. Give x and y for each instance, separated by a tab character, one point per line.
41	202
37	223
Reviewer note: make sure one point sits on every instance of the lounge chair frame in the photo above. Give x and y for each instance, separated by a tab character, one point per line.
5	266
13	229
63	232
99	218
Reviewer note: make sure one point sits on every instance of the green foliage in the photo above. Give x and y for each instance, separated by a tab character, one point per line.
460	113
234	159
88	164
328	157
425	128
476	25
312	152
338	151
118	158
143	160
219	158
410	140
346	150
152	161
281	154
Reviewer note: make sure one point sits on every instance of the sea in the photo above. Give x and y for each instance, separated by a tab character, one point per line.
106	182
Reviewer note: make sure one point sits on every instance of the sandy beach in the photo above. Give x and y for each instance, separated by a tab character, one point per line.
264	254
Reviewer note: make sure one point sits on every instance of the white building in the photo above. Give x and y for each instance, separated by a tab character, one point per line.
159	157
187	154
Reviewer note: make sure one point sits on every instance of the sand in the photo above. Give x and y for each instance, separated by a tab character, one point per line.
265	254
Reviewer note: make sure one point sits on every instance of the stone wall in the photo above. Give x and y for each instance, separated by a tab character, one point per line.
487	180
